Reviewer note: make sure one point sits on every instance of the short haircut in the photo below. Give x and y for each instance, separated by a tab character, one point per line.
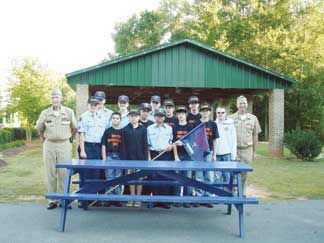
220	107
116	113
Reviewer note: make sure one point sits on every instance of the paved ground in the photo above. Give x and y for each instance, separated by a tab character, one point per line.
277	221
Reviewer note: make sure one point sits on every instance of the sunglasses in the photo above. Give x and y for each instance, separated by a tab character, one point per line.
221	112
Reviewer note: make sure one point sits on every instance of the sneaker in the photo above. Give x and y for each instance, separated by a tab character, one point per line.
118	204
196	205
177	205
129	204
137	204
51	205
186	205
207	205
107	204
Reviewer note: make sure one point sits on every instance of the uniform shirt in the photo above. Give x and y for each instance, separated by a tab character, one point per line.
112	140
56	126
178	132
171	121
146	124
226	143
193	119
159	136
105	116
134	143
245	129
211	132
93	126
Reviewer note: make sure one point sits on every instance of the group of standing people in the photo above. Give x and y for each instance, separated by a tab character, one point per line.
151	132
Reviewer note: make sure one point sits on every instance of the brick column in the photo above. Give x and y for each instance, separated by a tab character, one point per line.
82	95
276	122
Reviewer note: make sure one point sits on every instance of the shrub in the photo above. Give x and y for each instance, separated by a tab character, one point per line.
13	144
306	145
6	136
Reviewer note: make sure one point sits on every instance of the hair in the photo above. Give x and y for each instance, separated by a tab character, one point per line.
116	113
220	107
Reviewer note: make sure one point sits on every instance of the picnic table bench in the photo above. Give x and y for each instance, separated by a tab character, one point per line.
222	193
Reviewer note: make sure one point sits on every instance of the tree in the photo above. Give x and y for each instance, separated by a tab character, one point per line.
30	88
285	36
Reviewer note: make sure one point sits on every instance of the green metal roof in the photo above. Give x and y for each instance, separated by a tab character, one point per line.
185	63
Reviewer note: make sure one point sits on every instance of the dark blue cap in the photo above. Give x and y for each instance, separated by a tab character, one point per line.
159	112
156	98
123	98
100	95
145	106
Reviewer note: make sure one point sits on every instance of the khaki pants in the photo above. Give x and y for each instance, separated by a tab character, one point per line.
53	153
245	155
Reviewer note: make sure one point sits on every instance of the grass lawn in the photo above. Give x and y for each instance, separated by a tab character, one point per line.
286	178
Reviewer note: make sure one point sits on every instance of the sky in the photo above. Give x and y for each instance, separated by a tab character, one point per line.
64	35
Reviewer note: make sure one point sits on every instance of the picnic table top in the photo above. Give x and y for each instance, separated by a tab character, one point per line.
228	166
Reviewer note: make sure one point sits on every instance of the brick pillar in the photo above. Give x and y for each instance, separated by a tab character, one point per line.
82	95
276	122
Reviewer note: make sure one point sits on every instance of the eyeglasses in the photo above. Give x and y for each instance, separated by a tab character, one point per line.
221	112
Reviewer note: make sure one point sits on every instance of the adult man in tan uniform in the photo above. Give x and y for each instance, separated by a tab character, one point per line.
57	126
247	129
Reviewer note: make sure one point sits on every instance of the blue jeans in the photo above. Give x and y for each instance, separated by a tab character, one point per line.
113	173
205	176
187	191
224	157
93	151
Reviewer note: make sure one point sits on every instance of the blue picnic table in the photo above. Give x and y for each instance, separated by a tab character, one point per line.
222	193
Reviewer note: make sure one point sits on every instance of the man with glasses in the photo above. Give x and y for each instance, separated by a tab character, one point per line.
247	130
226	143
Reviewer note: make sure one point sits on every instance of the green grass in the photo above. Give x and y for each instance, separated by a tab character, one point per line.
12	144
23	178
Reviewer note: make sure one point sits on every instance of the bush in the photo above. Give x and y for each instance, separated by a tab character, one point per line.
19	133
306	145
13	144
6	136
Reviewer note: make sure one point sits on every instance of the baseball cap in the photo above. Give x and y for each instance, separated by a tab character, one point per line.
92	100
193	99
100	95
123	98
134	112
159	112
205	106
168	102
156	98
181	108
145	106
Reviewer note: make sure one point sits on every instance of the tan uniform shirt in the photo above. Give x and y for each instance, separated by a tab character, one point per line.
245	129
56	125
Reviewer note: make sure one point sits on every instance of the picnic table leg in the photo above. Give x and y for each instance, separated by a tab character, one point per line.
240	206
230	187
241	219
64	203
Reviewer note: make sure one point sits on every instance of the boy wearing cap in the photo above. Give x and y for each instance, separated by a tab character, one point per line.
226	143
110	150
159	136
168	106
57	126
155	104
194	116
145	109
180	154
104	114
123	103
247	130
212	134
134	147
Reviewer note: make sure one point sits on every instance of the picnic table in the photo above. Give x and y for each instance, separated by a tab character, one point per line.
221	193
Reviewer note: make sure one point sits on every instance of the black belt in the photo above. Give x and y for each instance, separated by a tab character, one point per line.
92	144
